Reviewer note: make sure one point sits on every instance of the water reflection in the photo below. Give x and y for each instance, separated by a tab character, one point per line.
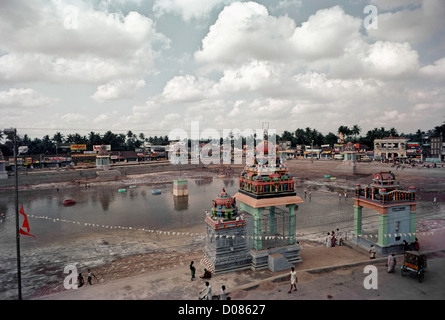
139	208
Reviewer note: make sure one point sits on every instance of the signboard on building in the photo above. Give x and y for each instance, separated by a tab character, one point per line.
74	147
98	147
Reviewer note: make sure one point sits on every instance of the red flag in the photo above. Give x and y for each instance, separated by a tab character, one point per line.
25	224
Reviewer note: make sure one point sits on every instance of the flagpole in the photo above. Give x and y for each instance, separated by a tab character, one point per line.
17	225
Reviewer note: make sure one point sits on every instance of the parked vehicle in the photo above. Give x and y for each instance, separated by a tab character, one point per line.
416	263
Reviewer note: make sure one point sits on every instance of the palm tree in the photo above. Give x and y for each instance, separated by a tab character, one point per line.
94	138
393	132
355	131
58	138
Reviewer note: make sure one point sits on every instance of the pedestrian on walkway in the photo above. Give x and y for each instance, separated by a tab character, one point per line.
391	264
293	280
328	240
339	238
192	270
90	276
207	292
333	239
372	252
223	295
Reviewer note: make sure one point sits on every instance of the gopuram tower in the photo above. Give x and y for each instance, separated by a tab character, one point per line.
267	194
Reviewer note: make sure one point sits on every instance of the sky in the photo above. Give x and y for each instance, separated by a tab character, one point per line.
153	66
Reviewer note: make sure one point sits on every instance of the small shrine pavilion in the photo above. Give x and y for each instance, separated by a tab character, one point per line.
103	158
226	247
396	209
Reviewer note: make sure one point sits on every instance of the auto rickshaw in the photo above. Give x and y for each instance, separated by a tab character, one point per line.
414	262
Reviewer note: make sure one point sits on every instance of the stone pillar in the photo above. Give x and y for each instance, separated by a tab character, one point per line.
257	225
291	223
358	220
257	231
412	217
272	223
383	230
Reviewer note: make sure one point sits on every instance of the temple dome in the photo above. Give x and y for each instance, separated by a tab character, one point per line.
224	199
224	206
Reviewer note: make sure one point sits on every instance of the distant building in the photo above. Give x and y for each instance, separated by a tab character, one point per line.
3	162
437	147
124	156
413	150
390	148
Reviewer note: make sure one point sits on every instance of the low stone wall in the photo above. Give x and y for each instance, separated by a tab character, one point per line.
32	178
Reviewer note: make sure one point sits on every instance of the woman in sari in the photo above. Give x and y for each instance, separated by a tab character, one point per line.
391	262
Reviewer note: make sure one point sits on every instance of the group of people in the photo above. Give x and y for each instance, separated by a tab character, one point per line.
411	246
206	293
81	280
390	263
334	238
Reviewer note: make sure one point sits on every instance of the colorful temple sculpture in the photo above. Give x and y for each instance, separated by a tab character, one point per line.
226	247
265	188
396	209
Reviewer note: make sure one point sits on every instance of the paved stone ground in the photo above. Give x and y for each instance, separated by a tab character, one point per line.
325	273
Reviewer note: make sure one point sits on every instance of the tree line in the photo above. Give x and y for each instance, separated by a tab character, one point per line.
58	143
310	136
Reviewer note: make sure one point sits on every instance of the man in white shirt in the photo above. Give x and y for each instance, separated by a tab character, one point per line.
293	279
207	292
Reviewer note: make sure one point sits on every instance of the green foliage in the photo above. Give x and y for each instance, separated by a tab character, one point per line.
59	143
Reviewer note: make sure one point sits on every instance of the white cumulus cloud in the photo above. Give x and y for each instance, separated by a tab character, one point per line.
118	89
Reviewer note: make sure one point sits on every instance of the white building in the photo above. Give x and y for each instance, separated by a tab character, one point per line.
390	148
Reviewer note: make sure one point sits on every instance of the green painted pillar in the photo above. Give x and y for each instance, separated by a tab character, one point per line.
257	225
257	231
291	223
272	222
358	220
412	217
383	230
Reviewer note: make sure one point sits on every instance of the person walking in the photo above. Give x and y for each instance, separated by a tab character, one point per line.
391	264
293	280
90	276
223	294
207	292
192	270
